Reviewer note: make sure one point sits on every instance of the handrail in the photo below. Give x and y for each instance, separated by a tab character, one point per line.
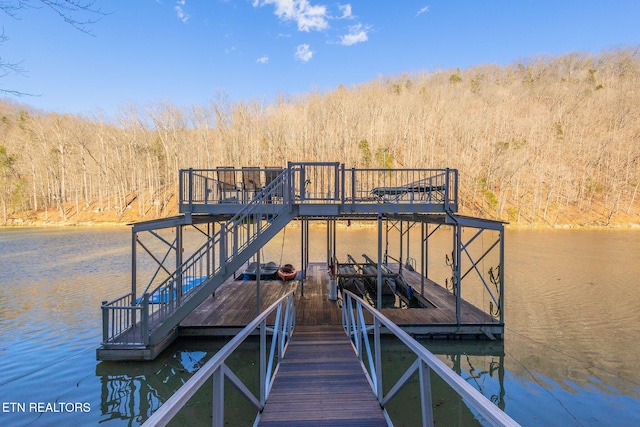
218	240
321	182
353	321
169	294
216	367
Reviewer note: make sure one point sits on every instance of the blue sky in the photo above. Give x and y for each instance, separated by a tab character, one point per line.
190	51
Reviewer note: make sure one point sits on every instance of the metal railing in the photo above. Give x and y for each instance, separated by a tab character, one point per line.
217	369
353	320
226	185
321	183
120	321
154	306
400	185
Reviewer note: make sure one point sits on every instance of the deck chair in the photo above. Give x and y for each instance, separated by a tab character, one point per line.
250	183
270	174
228	190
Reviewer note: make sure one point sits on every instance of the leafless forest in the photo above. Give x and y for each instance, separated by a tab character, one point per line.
547	141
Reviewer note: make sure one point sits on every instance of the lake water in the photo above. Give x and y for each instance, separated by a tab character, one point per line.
570	356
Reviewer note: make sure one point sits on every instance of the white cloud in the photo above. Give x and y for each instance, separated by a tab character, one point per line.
182	15
263	59
346	11
423	10
303	53
306	16
357	34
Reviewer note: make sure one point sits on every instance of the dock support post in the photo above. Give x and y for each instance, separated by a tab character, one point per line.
329	255
457	249
302	268
134	240
379	278
306	247
401	244
501	236
178	263
423	256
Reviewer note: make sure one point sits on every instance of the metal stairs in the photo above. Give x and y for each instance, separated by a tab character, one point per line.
147	324
235	261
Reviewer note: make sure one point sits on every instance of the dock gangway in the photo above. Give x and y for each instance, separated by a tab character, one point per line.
298	394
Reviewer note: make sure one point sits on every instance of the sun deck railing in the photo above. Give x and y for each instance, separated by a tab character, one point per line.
400	185
217	369
369	350
320	183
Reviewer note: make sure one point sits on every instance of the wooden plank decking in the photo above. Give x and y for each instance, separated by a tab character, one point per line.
444	301
320	382
234	306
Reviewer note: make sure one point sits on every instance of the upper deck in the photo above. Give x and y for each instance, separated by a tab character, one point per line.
325	189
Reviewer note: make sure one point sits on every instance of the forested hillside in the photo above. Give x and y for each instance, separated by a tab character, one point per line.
547	141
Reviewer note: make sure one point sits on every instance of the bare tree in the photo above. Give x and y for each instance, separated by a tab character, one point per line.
80	14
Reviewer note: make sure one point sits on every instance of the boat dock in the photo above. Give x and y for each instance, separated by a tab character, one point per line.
212	285
186	285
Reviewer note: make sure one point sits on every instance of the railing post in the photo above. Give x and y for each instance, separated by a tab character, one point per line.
290	186
190	189
455	185
218	397
223	248
144	319
105	322
378	355
263	362
353	189
338	185
342	184
425	394
446	189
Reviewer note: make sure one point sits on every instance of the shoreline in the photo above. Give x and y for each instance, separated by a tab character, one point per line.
342	223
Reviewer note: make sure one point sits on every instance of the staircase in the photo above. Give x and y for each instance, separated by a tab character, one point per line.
149	322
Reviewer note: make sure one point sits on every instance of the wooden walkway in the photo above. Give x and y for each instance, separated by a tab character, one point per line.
320	382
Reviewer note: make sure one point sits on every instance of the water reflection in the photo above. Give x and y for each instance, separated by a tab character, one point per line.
132	391
480	363
569	357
